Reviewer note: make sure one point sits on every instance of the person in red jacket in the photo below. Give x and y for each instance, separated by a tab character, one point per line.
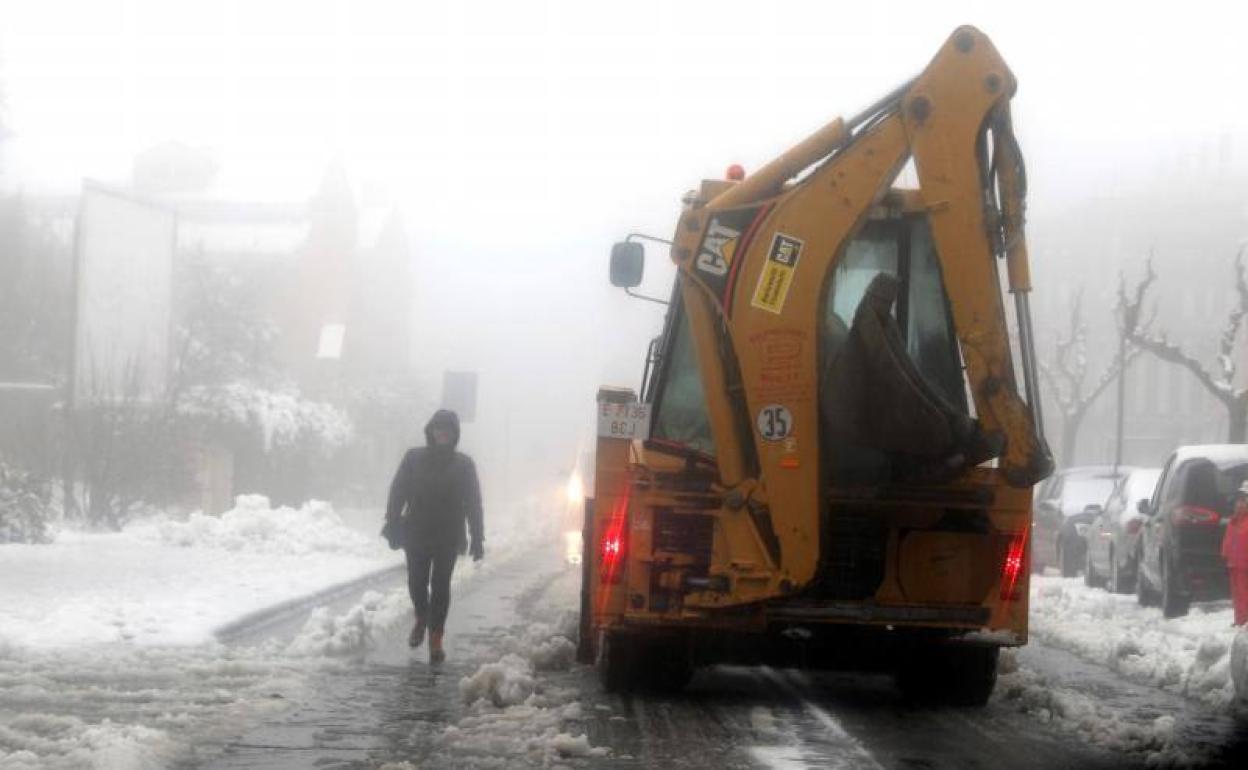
1235	552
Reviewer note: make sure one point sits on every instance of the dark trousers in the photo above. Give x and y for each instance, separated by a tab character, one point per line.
429	582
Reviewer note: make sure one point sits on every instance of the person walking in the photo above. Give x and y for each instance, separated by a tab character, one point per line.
435	503
1235	552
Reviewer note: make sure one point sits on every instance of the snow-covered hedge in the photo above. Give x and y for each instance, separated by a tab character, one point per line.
252	525
284	418
23	507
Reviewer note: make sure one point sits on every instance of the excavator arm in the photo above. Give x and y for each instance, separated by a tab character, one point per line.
754	258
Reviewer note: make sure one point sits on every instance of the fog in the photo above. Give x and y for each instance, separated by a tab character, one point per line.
249	248
518	140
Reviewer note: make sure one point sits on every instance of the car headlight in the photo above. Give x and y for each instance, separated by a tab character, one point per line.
1081	528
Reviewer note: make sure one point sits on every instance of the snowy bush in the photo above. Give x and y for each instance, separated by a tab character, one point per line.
283	418
126	454
23	507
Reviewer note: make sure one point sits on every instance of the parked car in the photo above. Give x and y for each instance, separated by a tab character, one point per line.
1114	535
1061	514
1179	551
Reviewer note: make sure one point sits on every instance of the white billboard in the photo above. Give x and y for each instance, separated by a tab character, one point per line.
124	275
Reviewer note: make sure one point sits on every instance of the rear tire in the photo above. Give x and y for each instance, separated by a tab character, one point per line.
668	666
1119	582
616	662
1174	603
585	652
1070	565
957	676
1145	594
1091	578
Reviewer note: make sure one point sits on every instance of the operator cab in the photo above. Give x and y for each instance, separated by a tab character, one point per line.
893	397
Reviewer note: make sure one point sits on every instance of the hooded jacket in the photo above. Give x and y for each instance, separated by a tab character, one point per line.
436	492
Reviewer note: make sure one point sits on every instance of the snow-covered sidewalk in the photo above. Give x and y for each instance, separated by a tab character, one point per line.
1189	656
164	581
107	652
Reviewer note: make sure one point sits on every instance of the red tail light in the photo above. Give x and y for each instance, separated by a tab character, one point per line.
1012	567
1133	526
611	547
1193	514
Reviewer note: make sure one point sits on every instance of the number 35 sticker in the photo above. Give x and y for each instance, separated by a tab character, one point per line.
775	422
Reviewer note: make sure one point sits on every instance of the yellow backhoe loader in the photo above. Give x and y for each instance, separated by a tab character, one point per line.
831	458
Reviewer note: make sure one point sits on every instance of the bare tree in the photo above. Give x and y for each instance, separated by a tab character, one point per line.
1220	381
1067	377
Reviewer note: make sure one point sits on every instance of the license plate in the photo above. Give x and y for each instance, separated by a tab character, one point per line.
625	421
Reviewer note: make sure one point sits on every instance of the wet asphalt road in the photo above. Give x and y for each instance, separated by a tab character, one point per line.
391	706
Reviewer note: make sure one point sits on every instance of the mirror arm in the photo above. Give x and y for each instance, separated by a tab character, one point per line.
642	236
632	293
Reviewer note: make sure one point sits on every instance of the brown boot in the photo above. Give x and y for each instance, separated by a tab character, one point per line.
436	653
418	633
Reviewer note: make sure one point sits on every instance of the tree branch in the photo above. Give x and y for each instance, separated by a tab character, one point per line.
1110	374
1226	347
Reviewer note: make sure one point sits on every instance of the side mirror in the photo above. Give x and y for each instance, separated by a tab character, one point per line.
1142	506
628	263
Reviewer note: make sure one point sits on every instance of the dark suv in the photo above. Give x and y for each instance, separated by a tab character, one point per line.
1180	558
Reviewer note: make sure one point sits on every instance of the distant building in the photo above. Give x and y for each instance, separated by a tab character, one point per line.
350	308
1192	221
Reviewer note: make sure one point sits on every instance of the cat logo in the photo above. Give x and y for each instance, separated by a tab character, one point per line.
718	248
777	274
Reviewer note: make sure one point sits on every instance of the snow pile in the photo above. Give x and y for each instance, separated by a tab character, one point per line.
575	746
545	646
1239	665
132	707
1188	655
516	716
164	581
504	683
354	632
44	741
537	731
252	525
1094	721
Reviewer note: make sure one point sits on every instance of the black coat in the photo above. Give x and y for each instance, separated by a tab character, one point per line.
436	492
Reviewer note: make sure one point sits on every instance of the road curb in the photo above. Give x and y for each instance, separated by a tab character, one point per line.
255	621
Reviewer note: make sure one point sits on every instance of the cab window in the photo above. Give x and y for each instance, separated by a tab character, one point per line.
680	404
892	390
